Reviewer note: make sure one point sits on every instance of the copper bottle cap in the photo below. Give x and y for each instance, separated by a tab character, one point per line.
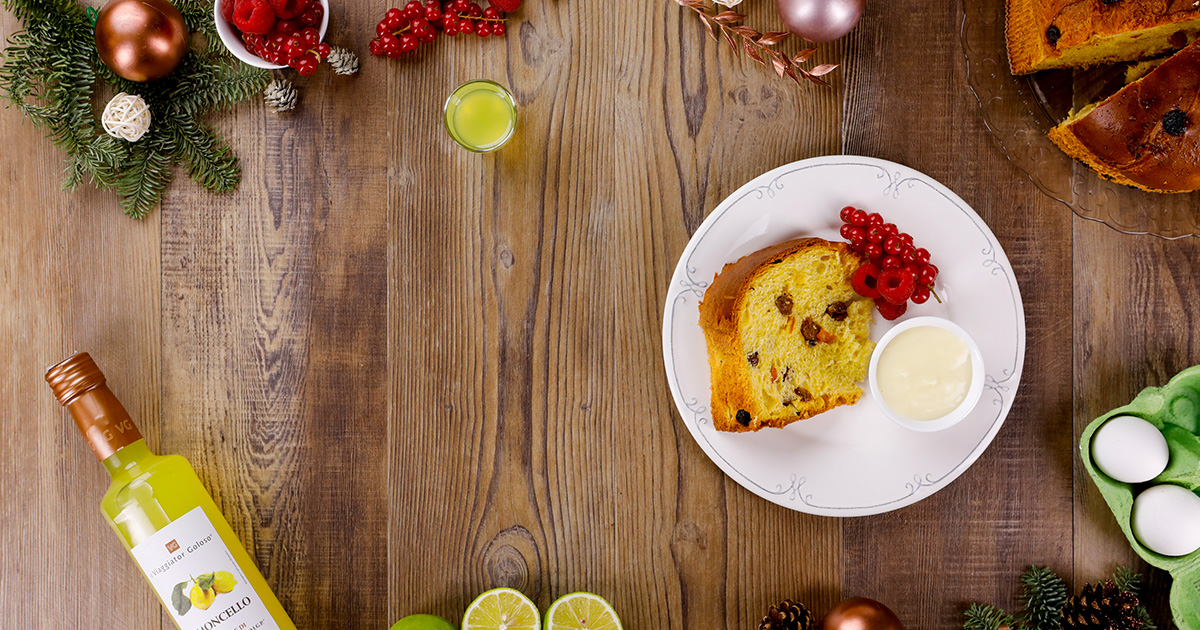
80	387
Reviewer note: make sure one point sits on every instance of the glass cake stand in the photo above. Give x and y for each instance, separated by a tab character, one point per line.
1018	111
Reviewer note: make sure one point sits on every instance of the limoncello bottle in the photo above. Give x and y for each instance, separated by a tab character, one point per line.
167	520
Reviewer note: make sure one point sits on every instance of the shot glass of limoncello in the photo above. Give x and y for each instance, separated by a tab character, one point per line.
481	115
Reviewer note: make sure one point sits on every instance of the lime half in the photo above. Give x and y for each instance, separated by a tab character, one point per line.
582	611
501	609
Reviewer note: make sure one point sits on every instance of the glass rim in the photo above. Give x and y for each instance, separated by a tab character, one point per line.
446	110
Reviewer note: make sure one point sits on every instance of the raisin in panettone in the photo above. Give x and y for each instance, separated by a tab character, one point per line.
1145	135
1045	34
787	335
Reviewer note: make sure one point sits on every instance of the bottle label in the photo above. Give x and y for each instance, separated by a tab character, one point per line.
198	580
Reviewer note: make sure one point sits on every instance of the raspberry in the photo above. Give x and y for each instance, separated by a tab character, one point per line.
254	16
227	10
896	285
865	281
289	9
890	311
507	6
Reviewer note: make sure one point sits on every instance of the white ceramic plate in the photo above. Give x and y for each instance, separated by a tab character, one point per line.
851	461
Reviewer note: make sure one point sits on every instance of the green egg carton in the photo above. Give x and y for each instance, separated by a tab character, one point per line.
1175	409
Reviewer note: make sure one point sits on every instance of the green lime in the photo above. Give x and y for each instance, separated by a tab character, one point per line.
423	622
502	609
582	611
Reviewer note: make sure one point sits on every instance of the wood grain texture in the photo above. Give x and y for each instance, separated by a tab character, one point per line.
410	373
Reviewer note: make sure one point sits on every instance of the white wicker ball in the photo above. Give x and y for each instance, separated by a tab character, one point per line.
127	117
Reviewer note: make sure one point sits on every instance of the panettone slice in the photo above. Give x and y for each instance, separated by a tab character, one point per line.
787	336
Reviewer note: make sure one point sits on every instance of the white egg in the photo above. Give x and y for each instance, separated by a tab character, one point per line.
1130	449
1166	519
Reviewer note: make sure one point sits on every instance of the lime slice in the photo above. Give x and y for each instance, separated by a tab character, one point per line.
582	611
501	609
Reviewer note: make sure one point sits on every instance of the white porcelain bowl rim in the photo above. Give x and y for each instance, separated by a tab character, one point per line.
234	44
973	392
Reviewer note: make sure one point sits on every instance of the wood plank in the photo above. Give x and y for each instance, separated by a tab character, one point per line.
1135	313
74	275
274	334
971	541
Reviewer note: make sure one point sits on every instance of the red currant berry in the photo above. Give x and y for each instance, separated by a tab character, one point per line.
908	255
287	27
433	13
846	213
922	255
847	231
859	245
893	245
381	29
491	13
874	219
451	29
857	233
906	238
393	14
324	49
927	275
920	294
891	262
873	251
408	42
498	29
859	218
913	271
311	36
475	11
466	26
394	52
375	47
483	30
295	46
875	235
889	229
461	6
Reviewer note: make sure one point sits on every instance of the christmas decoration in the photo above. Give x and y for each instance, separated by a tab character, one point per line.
820	20
343	61
282	32
141	40
861	613
126	117
758	46
787	615
728	3
1111	605
50	72
1101	606
280	96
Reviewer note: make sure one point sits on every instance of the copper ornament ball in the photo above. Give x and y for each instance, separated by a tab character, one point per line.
861	613
141	40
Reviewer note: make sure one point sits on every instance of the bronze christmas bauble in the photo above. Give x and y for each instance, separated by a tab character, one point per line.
820	20
861	613
141	40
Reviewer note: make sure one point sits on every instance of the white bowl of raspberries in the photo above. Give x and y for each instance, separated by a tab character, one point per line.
274	34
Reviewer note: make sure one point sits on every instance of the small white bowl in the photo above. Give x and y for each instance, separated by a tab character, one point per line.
234	44
973	392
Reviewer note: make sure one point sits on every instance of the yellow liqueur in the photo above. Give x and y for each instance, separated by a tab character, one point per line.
165	517
481	115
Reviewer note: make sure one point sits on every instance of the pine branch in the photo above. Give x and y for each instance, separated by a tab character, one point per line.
984	617
1043	597
147	174
209	161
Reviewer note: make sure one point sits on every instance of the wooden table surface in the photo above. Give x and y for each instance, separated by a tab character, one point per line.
409	373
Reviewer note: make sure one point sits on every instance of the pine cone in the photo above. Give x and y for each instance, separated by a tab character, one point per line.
280	96
343	61
1101	607
787	615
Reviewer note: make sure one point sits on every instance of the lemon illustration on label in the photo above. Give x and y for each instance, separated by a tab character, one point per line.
223	582
202	598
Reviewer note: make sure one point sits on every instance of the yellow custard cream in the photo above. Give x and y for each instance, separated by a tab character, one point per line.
924	372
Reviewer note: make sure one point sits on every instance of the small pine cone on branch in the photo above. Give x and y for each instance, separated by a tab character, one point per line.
1101	606
343	61
787	615
281	95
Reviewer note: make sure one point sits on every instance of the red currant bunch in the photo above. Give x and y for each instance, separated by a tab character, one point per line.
404	30
466	17
305	50
898	271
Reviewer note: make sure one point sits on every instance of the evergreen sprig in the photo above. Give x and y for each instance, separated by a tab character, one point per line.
51	72
1043	595
984	617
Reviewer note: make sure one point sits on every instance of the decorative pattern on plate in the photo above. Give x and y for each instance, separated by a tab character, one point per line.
1018	111
851	461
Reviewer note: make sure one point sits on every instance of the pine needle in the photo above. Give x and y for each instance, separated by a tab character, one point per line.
984	617
49	71
1043	597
